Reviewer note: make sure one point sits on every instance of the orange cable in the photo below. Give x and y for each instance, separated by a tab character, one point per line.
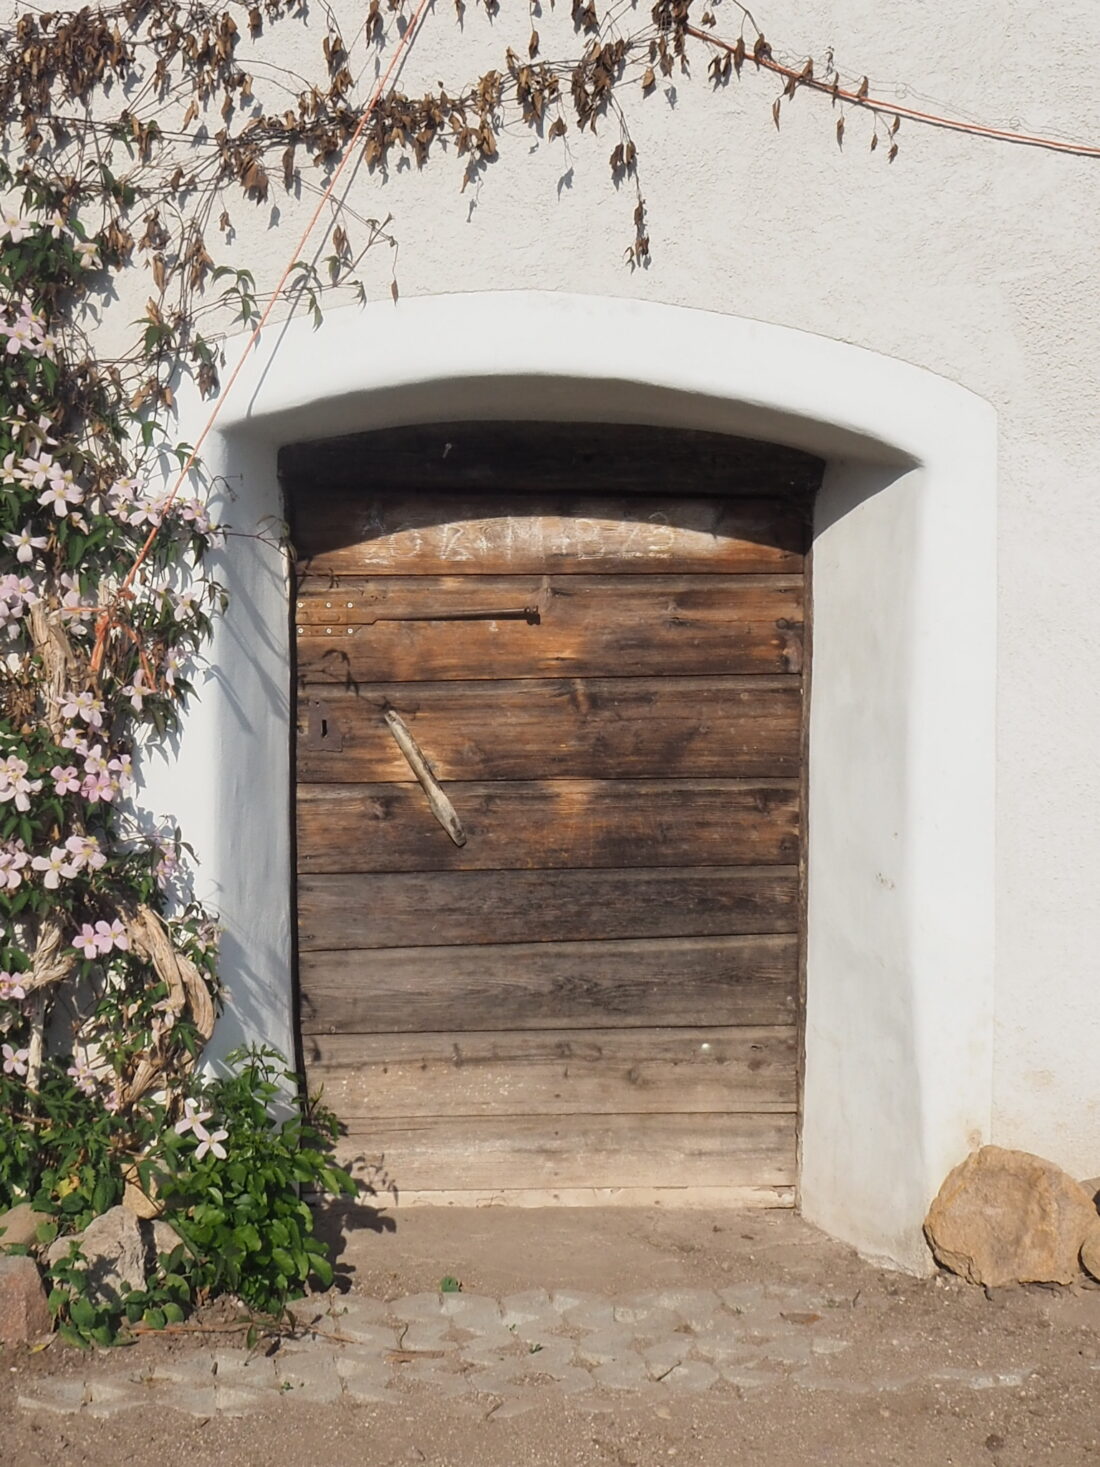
874	104
404	41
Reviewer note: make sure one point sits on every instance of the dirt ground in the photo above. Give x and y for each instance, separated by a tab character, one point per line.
933	1371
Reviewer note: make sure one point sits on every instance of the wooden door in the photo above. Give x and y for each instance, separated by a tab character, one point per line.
596	995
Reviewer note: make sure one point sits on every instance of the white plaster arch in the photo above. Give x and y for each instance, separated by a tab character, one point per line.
900	945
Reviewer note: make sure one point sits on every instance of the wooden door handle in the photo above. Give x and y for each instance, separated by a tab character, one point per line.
440	805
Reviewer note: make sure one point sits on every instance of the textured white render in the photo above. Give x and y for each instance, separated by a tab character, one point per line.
973	260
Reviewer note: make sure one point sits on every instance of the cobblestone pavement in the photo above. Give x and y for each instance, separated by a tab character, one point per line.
502	1357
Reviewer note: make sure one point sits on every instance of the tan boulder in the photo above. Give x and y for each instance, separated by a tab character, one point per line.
1004	1217
19	1225
24	1313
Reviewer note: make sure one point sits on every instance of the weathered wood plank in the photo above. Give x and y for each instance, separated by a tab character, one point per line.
669	1199
593	626
688	982
579	1151
574	1072
526	824
597	728
556	458
349	533
452	908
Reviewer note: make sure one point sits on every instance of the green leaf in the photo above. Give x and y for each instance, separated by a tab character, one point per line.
448	1284
72	1336
154	1318
83	1312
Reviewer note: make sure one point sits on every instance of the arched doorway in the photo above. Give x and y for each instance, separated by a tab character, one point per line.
899	1009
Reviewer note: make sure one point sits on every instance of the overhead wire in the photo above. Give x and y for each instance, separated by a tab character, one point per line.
859	98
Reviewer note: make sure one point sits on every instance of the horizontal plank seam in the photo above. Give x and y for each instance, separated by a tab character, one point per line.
775	682
571	1033
450	781
765	580
469	1034
675	937
707	783
763	868
385	1117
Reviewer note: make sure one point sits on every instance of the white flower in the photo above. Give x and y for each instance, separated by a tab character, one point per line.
60	496
86	250
193	1118
13	226
211	1142
55	866
138	691
185	605
25	544
34	471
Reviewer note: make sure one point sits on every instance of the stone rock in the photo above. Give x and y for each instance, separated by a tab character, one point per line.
134	1196
1090	1251
114	1251
1092	1187
18	1225
1004	1217
165	1238
23	1311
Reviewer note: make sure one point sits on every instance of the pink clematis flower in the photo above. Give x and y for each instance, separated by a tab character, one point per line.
15	1061
85	851
83	705
80	1073
65	780
98	787
14	785
110	935
86	943
13	857
11	987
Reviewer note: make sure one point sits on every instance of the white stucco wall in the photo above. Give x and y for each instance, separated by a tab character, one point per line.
974	260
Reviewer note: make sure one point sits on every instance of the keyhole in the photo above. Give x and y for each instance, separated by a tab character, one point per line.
324	728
